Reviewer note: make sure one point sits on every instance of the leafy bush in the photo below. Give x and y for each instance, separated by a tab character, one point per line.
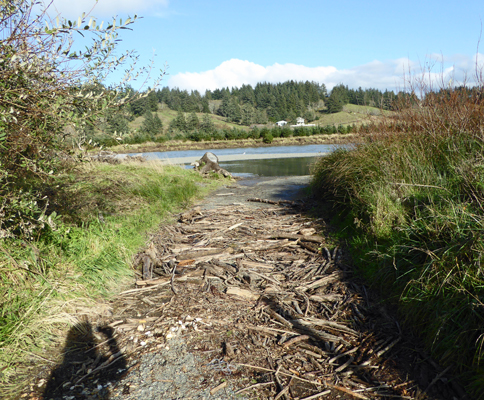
268	138
49	91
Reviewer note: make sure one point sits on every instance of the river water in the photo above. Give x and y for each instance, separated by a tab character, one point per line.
253	161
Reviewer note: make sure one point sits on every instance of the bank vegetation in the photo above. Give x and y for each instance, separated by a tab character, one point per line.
69	226
410	202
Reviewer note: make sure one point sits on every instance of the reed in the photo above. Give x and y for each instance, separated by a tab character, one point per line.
411	200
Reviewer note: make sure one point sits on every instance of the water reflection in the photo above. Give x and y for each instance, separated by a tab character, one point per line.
270	167
304	149
254	161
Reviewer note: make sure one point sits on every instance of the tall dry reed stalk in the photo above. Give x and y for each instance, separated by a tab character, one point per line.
412	197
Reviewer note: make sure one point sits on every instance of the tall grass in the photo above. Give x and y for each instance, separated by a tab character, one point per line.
411	199
54	282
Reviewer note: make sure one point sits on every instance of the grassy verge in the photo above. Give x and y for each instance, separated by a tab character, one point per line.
49	284
411	202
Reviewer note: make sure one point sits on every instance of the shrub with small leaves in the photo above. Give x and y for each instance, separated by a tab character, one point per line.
49	92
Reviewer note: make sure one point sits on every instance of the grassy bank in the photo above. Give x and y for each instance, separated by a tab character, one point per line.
410	202
177	145
104	215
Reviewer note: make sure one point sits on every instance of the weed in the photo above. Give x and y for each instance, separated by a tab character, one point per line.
51	283
411	198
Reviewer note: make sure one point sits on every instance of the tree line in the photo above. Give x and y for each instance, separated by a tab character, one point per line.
244	106
266	102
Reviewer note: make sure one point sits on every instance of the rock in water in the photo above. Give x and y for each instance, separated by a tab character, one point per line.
209	162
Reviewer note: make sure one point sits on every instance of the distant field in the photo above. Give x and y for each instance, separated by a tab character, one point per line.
351	114
166	115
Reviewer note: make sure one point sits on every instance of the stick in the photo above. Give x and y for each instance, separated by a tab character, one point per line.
254	386
434	381
172	280
254	199
295	340
284	391
315	396
217	388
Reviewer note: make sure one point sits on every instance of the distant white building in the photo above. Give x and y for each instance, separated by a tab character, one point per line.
300	122
281	123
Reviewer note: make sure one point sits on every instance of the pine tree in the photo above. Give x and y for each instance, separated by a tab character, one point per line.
192	122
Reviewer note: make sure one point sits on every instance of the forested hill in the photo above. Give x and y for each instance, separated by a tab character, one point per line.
266	102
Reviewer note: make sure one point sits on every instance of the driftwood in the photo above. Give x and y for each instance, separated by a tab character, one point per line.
278	202
271	297
209	163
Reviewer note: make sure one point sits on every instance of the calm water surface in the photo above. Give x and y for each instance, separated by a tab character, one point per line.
298	163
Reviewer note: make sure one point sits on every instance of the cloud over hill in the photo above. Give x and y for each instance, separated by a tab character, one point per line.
389	74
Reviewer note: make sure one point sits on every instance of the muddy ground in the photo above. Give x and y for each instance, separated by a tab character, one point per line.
246	300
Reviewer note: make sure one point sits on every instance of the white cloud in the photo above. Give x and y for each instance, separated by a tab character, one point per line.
106	8
389	74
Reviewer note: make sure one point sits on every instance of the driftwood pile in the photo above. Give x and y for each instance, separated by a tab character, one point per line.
259	295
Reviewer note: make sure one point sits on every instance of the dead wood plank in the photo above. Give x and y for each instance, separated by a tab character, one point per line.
309	247
335	276
296	339
325	323
189	255
252	264
317	395
217	388
306	238
257	200
275	281
247	294
233	226
326	298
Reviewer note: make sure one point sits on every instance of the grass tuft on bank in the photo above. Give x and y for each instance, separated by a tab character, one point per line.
104	215
411	204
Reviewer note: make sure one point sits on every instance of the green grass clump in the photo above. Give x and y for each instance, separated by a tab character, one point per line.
412	203
104	214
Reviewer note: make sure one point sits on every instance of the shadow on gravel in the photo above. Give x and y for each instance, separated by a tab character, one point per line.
89	366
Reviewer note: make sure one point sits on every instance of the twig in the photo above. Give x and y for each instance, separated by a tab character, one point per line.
295	340
434	381
315	396
255	386
172	280
284	391
108	363
217	388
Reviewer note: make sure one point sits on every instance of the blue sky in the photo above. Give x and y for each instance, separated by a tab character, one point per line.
210	44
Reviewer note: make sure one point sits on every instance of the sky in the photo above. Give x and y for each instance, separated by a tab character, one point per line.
210	44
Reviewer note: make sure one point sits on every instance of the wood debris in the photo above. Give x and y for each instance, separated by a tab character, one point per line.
259	290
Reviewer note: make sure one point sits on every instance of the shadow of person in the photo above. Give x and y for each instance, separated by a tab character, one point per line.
88	366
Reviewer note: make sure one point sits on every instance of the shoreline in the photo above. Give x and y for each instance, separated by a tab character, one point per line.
237	157
177	145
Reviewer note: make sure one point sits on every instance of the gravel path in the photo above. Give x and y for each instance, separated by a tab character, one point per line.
205	343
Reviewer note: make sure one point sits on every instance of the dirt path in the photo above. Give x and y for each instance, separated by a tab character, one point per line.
257	306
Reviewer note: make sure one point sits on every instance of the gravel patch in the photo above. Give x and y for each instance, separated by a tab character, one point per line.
172	373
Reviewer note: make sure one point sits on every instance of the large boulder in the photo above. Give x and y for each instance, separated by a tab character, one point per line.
209	163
